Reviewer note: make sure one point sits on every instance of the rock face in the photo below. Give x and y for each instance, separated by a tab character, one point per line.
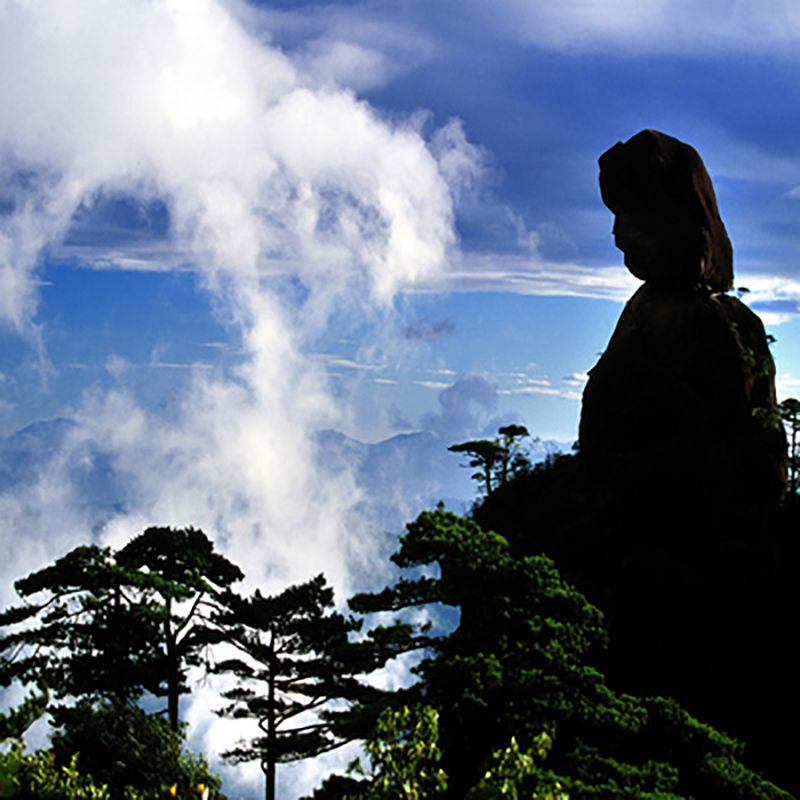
667	221
684	394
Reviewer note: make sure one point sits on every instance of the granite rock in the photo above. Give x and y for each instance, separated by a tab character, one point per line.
683	398
667	220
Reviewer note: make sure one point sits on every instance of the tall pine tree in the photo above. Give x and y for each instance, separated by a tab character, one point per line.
103	625
294	659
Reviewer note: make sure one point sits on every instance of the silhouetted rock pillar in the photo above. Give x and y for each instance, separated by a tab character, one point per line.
682	402
684	456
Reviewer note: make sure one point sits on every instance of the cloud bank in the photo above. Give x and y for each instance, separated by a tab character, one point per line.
265	173
262	171
530	274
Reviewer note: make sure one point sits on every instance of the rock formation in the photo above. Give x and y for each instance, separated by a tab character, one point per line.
669	517
684	394
667	221
684	460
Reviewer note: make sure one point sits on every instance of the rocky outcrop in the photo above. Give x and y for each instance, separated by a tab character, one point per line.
684	395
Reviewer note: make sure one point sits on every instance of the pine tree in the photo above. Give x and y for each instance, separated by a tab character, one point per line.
294	659
102	625
496	460
790	414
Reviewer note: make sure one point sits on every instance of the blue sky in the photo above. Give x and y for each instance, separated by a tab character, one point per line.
226	225
515	100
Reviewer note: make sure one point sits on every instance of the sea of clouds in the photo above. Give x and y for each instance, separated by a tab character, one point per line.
267	173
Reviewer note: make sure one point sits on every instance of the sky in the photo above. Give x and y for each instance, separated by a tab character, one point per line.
226	226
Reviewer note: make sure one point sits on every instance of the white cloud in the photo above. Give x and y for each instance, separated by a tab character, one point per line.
546	391
262	173
465	408
577	379
463	164
624	27
775	298
530	274
359	46
347	363
237	460
117	366
787	386
438	385
345	63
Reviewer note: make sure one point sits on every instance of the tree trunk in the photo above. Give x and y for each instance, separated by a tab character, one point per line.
172	671
793	457
271	732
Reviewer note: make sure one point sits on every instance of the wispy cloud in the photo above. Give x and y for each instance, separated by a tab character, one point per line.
438	385
348	363
522	274
787	386
522	384
776	299
577	379
261	173
442	371
360	46
377	35
192	365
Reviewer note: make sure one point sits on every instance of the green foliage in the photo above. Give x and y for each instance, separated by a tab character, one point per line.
39	776
83	637
508	768
404	755
508	703
708	760
759	364
790	414
178	564
15	721
109	625
767	418
515	460
594	774
181	580
36	776
130	751
519	667
514	666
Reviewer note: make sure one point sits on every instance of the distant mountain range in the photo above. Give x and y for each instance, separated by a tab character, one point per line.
409	472
399	476
43	447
